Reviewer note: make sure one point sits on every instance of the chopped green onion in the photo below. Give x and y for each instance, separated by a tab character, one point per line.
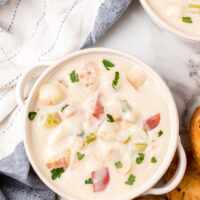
130	180
187	20
80	156
127	140
63	108
107	64
153	159
125	106
160	133
140	146
31	115
89	181
118	164
140	158
110	118
74	76
56	173
91	138
115	81
50	120
82	134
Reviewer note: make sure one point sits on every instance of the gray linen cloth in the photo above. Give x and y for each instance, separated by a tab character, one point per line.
18	180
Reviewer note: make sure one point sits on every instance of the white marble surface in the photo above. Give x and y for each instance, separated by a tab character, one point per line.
177	61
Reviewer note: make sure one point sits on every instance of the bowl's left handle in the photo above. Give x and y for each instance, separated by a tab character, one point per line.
24	79
177	176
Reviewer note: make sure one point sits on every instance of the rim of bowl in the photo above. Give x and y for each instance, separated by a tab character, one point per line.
174	121
158	20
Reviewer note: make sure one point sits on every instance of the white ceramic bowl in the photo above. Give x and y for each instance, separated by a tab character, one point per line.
161	23
174	143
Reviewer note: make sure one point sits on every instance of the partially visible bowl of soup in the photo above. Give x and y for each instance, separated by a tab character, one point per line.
181	18
100	124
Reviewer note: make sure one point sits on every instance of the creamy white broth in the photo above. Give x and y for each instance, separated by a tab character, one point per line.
183	15
144	102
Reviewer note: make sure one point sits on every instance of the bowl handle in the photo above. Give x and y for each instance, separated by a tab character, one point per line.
177	177
22	83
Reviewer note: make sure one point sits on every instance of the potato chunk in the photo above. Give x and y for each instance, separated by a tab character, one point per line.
136	78
50	94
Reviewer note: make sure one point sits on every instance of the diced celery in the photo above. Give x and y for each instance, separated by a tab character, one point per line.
91	137
127	140
125	106
140	146
195	8
50	120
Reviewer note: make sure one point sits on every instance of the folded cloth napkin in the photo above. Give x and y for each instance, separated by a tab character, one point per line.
34	31
2	2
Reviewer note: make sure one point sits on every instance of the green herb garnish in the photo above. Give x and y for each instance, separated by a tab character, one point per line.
115	81
118	164
107	64
160	133
80	156
187	20
56	173
140	158
110	118
130	180
89	181
63	108
31	115
74	76
153	159
91	138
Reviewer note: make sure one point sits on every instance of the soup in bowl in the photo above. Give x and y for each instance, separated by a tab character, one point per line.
100	125
177	16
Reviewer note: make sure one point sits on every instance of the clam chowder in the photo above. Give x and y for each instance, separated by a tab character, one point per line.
99	127
183	15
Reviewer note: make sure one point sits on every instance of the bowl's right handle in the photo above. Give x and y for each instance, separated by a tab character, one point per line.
22	83
177	177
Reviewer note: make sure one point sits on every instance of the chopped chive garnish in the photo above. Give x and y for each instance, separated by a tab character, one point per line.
118	164
31	115
107	64
110	118
153	159
115	81
160	133
80	156
130	180
187	20
56	173
74	76
63	108
89	181
140	158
